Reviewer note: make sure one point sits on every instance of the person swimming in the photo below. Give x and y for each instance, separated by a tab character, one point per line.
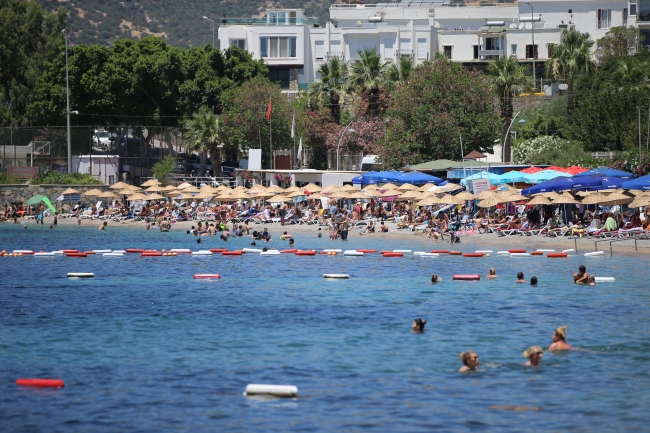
470	361
418	326
591	280
492	274
559	340
520	277
533	280
435	279
534	355
581	276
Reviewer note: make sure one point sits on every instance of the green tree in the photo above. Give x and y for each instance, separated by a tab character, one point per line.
632	73
162	169
442	102
333	76
619	42
569	59
202	134
507	80
365	78
29	39
396	73
551	150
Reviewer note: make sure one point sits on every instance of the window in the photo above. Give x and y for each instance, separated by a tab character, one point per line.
625	17
422	48
529	51
281	77
389	48
405	44
570	11
320	49
274	47
604	18
277	18
336	46
475	47
632	9
549	48
513	48
447	50
240	43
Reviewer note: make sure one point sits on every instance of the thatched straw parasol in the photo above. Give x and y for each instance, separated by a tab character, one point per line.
410	195
316	196
486	194
593	199
93	192
155	196
154	188
489	202
151	182
107	194
293	189
429	201
119	185
565	198
173	193
407	187
551	195
188	190
280	198
275	189
312	187
70	191
205	194
513	197
240	195
391	193
137	196
426	187
169	188
617	198
450	199
465	195
539	200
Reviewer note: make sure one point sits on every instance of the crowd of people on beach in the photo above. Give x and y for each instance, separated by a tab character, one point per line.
535	353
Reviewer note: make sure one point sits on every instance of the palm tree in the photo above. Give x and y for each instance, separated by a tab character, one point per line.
332	82
397	73
507	79
202	135
365	78
632	73
569	59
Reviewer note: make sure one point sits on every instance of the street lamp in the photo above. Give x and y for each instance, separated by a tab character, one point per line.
338	146
67	97
206	18
505	137
532	31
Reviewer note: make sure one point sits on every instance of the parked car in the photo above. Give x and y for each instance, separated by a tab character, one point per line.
101	139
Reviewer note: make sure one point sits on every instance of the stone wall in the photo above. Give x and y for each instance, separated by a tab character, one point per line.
22	193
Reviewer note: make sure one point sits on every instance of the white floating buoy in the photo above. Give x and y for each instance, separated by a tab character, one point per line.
332	251
179	250
503	253
252	250
545	250
352	253
484	251
113	254
270	253
102	251
594	253
429	255
202	253
119	251
605	279
23	251
274	390
56	253
44	254
342	276
401	251
80	275
570	250
519	254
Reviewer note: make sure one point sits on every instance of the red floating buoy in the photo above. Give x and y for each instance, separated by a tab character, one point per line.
305	253
43	383
367	251
289	251
455	253
207	276
556	255
69	251
76	255
473	255
522	250
218	250
537	253
89	252
156	254
134	250
392	254
232	253
466	277
440	251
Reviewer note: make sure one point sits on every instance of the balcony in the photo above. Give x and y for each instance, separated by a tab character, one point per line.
334	55
486	54
404	53
270	21
643	17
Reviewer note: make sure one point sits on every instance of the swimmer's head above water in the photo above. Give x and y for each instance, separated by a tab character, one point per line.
418	325
470	359
534	355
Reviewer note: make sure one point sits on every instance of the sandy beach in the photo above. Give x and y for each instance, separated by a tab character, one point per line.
479	241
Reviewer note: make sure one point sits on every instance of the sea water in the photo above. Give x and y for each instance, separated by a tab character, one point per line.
145	347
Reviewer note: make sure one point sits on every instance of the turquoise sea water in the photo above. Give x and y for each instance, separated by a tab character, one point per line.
144	347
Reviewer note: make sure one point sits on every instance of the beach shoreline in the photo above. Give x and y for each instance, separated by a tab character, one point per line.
485	241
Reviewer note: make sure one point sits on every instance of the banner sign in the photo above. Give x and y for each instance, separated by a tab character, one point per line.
60	168
23	172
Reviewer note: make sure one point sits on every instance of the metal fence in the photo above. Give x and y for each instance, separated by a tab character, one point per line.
122	153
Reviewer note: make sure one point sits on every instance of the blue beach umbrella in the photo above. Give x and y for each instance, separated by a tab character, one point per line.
607	182
640	183
543	176
495	179
562	184
418	178
370	178
512	177
390	176
607	172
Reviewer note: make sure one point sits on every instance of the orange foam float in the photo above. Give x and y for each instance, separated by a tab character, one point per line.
207	276
556	255
305	253
76	255
134	250
392	254
521	250
440	251
367	251
466	277
232	253
473	255
41	383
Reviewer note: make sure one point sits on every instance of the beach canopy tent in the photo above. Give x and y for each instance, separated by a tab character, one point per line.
438	165
640	183
495	179
543	176
607	172
531	170
562	184
418	178
512	177
41	198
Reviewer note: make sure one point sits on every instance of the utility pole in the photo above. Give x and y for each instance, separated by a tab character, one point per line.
67	97
532	31
639	110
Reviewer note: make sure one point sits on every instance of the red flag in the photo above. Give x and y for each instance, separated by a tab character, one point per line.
269	109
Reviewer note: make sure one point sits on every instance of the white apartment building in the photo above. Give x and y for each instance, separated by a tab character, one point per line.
294	47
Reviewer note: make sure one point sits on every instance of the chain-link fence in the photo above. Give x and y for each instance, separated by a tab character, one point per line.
110	153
